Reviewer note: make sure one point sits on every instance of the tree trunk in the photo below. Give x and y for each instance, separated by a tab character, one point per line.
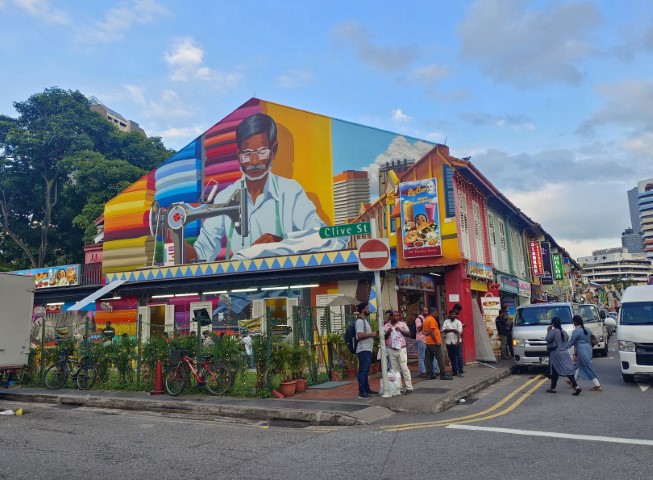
50	202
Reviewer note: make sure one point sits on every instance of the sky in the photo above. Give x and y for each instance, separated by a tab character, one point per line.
553	100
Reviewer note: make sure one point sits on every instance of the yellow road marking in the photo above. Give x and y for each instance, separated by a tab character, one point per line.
538	380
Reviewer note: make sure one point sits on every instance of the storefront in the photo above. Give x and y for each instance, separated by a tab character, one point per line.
415	291
508	291
524	293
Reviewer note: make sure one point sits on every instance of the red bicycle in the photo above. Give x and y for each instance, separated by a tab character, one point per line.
215	376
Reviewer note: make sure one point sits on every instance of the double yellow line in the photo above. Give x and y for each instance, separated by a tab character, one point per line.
535	383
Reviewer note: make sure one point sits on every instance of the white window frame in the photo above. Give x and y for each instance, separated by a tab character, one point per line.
478	232
503	247
463	219
492	238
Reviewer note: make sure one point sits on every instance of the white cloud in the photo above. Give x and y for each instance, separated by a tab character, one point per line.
41	9
399	149
186	60
120	19
294	79
430	73
177	137
518	122
513	42
399	116
384	58
640	144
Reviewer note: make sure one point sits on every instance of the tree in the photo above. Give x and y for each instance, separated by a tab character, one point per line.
49	156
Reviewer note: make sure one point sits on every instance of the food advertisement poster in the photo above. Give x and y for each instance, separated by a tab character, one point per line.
420	228
408	281
490	306
60	276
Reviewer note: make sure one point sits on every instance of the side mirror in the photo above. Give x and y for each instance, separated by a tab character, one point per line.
602	314
610	322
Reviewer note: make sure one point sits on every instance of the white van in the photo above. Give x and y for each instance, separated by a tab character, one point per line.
635	332
530	329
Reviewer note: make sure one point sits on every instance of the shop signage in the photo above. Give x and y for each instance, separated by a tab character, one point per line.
508	284
490	306
479	270
524	289
547	273
348	230
536	258
420	219
60	276
557	267
416	282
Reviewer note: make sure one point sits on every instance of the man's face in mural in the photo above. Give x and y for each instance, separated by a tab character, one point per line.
255	155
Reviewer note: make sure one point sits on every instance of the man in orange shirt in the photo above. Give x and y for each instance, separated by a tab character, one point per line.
434	345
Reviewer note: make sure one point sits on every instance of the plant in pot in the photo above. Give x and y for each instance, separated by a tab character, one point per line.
282	365
336	348
299	360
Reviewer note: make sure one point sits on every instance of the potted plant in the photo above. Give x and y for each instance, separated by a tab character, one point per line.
298	360
282	365
336	348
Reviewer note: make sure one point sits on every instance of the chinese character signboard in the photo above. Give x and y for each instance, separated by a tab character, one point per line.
536	258
557	267
420	226
547	273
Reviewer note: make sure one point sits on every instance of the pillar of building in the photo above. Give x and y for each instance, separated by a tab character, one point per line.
458	286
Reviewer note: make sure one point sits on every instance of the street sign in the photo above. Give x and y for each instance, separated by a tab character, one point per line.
373	254
362	228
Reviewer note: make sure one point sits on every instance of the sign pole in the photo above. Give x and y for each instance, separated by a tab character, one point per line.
379	319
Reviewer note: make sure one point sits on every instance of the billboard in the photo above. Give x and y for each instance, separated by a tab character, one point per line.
257	184
547	267
420	219
536	258
59	276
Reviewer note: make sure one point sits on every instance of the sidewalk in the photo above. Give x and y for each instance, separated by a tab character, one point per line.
319	405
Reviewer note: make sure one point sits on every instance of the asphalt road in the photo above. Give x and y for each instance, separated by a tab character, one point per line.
512	430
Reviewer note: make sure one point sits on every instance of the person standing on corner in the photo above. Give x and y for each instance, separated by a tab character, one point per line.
395	341
580	340
434	346
420	341
502	329
453	338
365	337
559	359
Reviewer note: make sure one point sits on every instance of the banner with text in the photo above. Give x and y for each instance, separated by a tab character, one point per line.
547	273
536	258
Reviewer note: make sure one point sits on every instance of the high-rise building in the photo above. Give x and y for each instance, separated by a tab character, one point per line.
645	208
632	241
351	188
634	210
616	264
120	122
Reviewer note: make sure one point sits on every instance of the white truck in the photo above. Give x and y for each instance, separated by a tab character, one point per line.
16	304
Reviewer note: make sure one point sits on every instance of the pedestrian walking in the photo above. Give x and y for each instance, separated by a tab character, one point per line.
580	340
559	360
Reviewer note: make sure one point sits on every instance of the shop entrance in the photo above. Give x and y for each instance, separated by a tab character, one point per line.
156	319
279	310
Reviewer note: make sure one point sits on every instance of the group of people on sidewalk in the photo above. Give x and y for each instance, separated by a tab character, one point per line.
429	341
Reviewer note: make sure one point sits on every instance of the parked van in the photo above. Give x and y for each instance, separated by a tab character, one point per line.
635	332
530	329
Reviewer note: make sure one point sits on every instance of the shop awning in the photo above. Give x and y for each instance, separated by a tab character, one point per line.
95	295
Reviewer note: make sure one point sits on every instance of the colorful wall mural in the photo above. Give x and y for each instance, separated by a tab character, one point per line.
256	184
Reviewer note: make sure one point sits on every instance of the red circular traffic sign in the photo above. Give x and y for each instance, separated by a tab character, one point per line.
374	254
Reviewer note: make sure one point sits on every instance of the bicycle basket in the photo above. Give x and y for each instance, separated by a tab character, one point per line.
176	354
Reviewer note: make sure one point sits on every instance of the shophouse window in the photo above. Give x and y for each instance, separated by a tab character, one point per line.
503	248
478	233
517	252
464	224
492	235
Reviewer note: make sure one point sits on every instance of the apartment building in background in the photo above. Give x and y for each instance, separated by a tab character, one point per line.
111	116
351	189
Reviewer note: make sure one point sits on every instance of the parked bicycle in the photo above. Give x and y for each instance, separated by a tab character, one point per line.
57	374
216	376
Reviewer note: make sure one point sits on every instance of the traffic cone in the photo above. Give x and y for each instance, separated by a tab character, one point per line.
158	380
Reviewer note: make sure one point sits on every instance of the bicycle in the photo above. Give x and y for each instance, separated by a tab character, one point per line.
215	376
57	374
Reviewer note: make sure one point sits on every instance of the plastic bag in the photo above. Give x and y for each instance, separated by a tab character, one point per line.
394	384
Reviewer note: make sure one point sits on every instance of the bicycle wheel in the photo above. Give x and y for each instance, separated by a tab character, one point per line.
56	376
219	378
86	376
176	379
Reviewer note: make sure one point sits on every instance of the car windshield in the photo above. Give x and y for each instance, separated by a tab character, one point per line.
589	313
639	313
542	315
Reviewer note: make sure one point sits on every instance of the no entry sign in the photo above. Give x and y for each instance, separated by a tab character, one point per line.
373	254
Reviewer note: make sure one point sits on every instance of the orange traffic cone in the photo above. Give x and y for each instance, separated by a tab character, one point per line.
158	380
